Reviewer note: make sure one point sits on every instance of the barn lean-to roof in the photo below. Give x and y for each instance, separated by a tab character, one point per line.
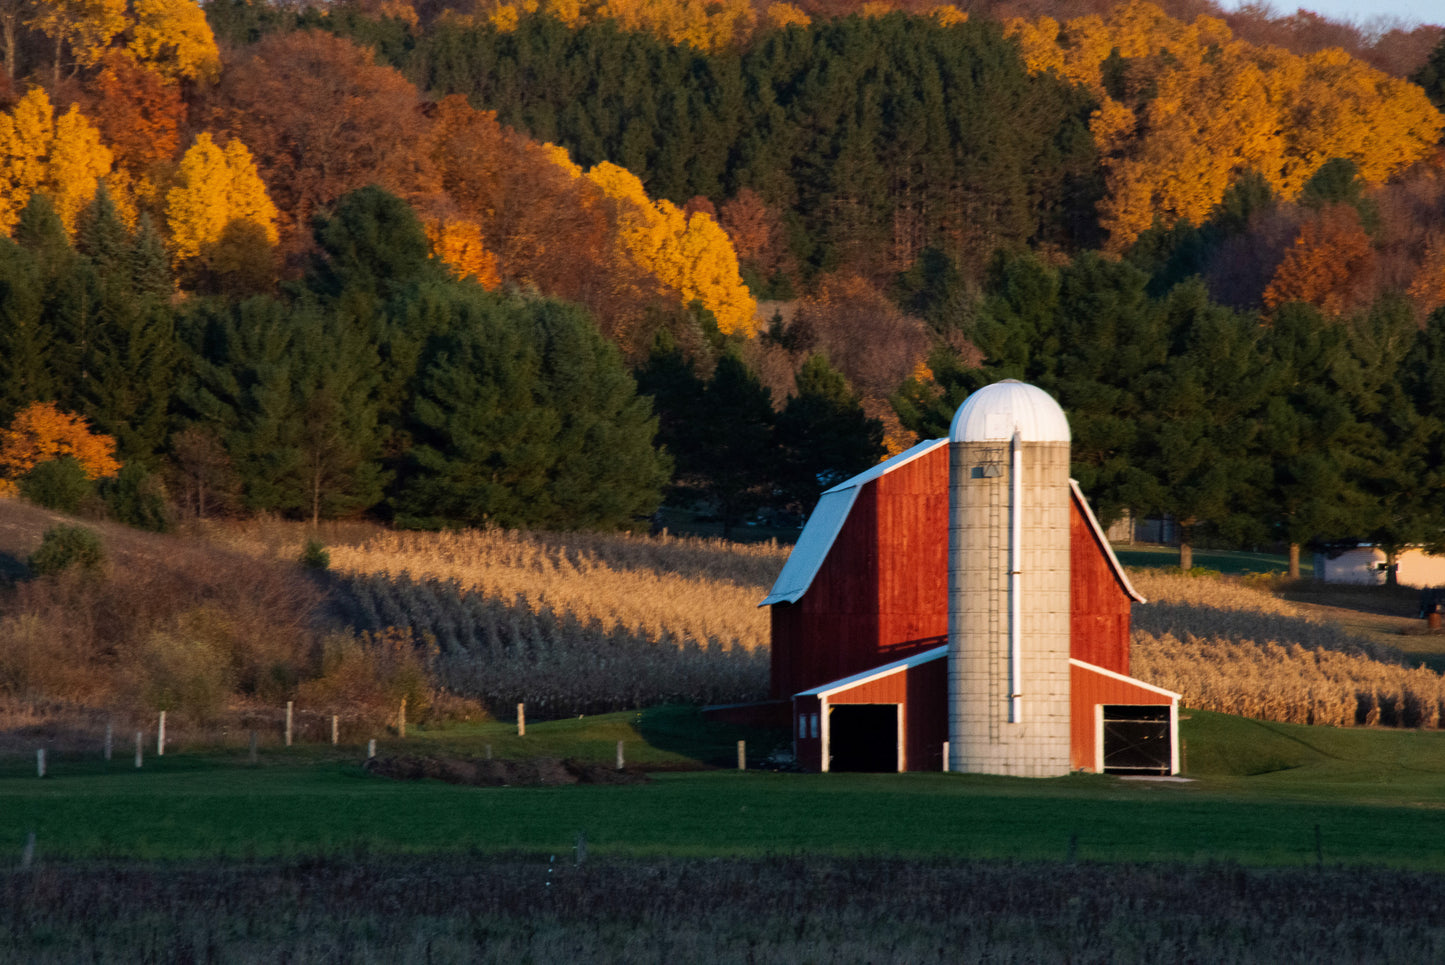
831	513
887	669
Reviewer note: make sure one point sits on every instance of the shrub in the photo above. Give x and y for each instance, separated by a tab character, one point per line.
314	556
59	484
138	498
65	546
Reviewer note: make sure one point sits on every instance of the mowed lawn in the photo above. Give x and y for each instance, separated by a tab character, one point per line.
1264	794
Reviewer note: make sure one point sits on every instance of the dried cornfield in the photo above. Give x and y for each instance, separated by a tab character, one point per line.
1233	647
581	623
576	624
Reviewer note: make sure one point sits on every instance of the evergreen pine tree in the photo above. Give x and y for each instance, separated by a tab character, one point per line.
25	334
738	464
823	436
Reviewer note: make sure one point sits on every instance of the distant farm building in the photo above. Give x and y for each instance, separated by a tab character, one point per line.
960	599
1366	566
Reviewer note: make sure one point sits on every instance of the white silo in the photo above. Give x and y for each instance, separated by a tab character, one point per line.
1008	584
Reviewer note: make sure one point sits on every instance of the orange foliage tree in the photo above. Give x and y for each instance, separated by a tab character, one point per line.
1329	266
41	432
549	227
322	118
1185	109
138	113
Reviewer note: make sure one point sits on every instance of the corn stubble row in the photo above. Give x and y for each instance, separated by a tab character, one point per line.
591	624
1235	648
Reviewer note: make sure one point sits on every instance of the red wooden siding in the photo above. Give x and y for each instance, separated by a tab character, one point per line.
923	692
882	592
1087	689
1099	604
807	750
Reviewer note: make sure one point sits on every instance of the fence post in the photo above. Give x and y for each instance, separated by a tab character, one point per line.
742	755
288	722
371	749
109	738
40	762
620	762
521	720
335	730
139	737
401	719
945	757
161	736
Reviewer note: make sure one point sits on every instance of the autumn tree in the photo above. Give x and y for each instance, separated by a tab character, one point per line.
690	255
219	203
83	27
139	115
173	37
549	227
873	343
41	432
321	118
62	157
1329	266
1186	107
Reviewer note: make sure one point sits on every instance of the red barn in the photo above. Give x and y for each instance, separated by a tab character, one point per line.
860	627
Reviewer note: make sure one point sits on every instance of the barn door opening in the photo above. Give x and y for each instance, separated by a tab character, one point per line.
863	737
1136	739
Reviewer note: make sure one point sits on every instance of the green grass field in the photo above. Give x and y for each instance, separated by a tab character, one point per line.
1234	562
1260	791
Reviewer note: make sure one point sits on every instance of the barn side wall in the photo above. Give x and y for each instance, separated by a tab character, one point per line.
923	692
882	591
1089	689
1099	618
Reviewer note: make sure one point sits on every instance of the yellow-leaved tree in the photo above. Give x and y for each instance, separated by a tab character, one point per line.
175	39
85	27
691	255
216	189
458	243
1185	109
41	432
62	158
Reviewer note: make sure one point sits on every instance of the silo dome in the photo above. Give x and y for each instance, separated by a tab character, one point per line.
995	411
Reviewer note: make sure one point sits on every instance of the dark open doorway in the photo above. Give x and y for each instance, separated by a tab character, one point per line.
1136	739
863	737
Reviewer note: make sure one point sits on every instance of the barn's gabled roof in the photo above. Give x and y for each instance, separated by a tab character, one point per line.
826	522
1103	542
866	676
828	517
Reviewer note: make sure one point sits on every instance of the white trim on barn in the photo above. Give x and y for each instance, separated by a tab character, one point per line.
823	691
1104	542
